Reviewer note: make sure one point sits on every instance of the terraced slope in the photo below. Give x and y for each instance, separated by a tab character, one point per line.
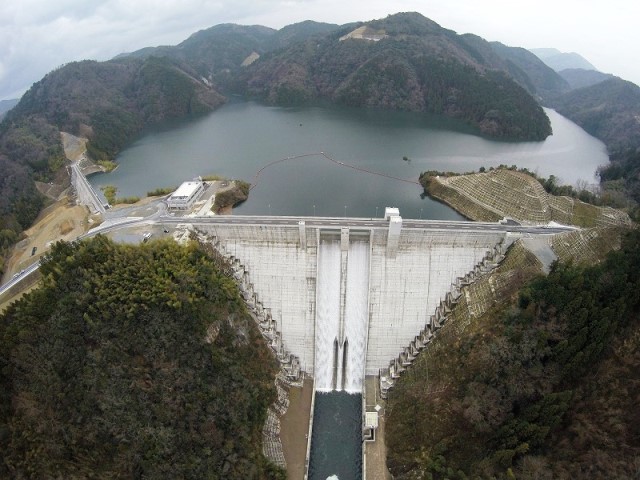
503	193
588	246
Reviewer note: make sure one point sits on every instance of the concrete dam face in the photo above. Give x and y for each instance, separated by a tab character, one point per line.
344	300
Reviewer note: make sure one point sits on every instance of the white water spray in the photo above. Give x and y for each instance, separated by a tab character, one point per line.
328	312
340	352
356	313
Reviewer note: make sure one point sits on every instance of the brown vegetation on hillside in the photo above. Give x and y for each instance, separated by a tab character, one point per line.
543	382
499	193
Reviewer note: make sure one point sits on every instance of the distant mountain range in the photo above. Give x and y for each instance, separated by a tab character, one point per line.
6	105
579	78
561	60
402	62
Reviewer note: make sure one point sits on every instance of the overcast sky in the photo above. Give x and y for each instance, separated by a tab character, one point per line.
37	36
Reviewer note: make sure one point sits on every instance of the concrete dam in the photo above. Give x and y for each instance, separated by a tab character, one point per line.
347	300
344	300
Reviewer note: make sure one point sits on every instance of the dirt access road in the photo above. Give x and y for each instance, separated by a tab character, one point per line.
63	220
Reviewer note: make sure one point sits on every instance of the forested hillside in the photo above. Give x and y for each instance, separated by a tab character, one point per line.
133	362
416	65
544	385
579	78
108	102
544	81
610	111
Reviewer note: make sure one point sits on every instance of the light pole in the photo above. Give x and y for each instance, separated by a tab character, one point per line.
345	211
376	212
314	210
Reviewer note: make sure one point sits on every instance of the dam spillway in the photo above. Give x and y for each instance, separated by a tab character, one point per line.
342	313
328	315
341	339
356	315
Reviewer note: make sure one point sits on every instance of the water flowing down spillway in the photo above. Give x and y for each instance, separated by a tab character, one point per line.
341	346
356	313
328	313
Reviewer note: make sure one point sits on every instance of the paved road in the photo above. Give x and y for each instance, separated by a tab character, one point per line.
84	190
160	218
367	223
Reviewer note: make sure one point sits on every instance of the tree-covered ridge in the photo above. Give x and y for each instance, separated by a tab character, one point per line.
543	386
610	111
538	78
108	102
132	362
418	66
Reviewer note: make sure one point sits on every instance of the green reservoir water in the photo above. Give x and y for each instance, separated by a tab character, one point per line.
336	439
242	137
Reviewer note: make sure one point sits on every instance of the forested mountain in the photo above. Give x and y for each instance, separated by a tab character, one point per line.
221	49
545	82
412	64
579	77
133	362
610	111
299	32
561	60
109	102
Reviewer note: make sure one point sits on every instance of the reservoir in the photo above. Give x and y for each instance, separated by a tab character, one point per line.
241	137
